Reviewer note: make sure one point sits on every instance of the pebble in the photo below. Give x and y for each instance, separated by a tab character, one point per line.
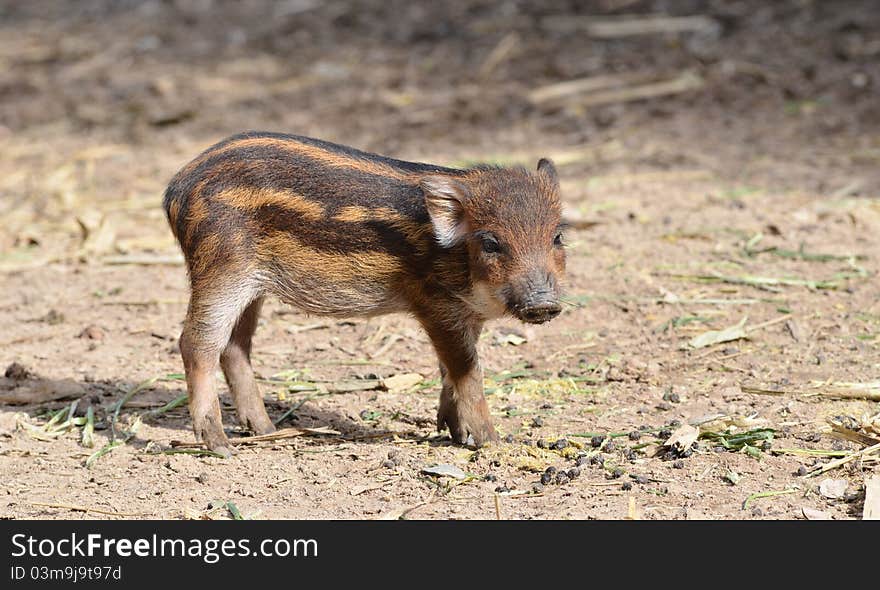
597	441
562	478
537	422
542	444
802	471
93	333
634	435
678	464
546	478
502	489
626	486
560	444
490	477
574	473
582	460
509	439
537	488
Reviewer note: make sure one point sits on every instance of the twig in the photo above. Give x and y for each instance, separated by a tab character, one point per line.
501	52
627	26
844	460
561	90
85	509
680	84
282	434
767	495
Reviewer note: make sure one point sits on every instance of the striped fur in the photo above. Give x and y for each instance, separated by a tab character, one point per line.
337	231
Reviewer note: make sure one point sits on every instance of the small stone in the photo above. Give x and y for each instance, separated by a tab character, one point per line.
542	444
509	439
546	478
597	441
502	489
93	333
560	444
393	453
634	435
537	422
546	406
551	470
202	478
626	486
573	473
610	446
562	478
490	477
641	479
582	460
801	471
679	464
388	464
537	488
664	434
618	472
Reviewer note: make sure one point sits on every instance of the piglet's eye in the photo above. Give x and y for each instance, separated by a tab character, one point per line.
490	245
557	241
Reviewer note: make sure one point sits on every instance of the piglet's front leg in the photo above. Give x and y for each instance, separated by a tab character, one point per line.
463	408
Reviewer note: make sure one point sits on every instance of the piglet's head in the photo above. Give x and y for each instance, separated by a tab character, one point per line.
510	221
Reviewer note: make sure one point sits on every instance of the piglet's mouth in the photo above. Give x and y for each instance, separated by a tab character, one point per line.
538	313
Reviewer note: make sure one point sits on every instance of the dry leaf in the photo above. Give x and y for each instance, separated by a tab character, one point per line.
97	233
403	382
445	470
711	337
833	488
683	437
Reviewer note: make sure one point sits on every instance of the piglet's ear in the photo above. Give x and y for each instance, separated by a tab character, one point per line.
547	168
445	198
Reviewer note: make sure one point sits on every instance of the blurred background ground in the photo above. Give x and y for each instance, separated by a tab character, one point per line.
719	162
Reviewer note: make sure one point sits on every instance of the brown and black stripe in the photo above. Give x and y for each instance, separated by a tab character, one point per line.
288	201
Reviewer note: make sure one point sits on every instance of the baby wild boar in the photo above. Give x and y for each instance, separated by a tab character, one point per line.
339	232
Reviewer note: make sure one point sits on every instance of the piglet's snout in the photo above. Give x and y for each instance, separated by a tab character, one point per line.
541	303
541	312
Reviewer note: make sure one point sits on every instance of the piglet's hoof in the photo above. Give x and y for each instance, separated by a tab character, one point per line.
213	436
469	425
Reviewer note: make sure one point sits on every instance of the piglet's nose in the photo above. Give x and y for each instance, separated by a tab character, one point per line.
541	312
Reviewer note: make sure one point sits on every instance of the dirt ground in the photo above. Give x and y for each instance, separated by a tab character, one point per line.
749	194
